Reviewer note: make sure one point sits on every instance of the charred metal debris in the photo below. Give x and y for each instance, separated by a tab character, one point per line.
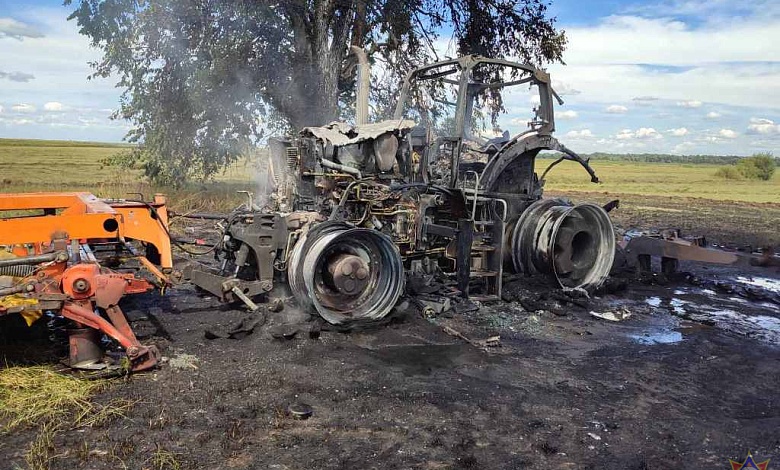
360	215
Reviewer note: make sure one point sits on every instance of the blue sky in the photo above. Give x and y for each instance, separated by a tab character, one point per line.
679	76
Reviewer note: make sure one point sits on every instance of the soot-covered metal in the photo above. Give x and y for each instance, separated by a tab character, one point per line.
357	212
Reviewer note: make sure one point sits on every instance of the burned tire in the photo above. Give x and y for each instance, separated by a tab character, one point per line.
573	244
346	274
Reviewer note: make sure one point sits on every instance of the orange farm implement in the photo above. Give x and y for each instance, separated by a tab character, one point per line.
54	248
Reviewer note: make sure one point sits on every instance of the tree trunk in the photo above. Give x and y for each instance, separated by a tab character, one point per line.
320	42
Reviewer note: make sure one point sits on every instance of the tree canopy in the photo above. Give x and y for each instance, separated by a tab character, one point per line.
202	79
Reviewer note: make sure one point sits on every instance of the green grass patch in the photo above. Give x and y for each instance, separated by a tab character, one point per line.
659	179
163	459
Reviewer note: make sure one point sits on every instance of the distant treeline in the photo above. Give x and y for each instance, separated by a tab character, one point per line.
58	143
664	158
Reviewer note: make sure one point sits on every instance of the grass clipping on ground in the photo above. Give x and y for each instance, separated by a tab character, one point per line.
39	396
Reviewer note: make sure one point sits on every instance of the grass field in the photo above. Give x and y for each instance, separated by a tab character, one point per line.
660	179
661	194
32	165
41	165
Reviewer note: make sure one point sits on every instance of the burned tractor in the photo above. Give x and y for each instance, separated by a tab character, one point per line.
359	214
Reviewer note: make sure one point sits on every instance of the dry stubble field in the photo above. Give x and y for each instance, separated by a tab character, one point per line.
653	195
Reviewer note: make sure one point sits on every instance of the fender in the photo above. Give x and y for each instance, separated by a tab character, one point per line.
508	170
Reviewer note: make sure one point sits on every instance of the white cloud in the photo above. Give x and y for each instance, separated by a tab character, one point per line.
581	134
623	40
9	27
689	104
23	108
683	147
709	82
564	88
693	60
717	10
1	109
59	60
16	121
519	121
643	133
761	126
727	134
53	106
679	132
613	61
616	109
648	133
568	114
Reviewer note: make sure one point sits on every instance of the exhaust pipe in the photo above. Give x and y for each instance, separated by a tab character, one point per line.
363	86
574	244
346	274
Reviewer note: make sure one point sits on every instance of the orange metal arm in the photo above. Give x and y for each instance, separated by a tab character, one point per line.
83	216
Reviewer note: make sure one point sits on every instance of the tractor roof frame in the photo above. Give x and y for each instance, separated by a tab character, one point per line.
468	90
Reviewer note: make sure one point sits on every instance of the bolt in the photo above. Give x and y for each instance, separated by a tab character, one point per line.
346	269
80	285
30	287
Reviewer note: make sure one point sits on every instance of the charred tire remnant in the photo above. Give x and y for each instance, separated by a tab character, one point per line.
345	273
575	244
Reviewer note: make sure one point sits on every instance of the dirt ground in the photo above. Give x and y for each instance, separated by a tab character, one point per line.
689	379
730	223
